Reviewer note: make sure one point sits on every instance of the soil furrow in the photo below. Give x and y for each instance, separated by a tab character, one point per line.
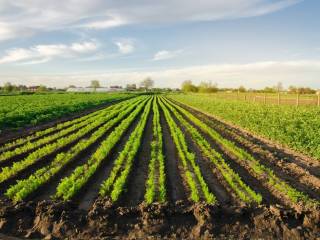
88	194
174	182
286	156
245	175
306	182
136	185
43	161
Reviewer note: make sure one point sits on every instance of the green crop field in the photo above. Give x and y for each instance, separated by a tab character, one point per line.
296	127
153	157
20	110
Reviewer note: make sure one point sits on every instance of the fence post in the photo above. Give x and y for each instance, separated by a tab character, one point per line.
298	99
318	100
245	96
265	98
278	98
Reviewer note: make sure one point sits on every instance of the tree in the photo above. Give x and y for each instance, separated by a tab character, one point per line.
187	86
95	84
131	87
8	87
72	86
207	87
242	89
147	83
42	88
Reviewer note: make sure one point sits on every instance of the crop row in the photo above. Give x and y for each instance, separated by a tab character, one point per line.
70	185
298	128
196	183
35	156
25	187
244	192
38	134
22	110
114	184
157	177
28	146
260	171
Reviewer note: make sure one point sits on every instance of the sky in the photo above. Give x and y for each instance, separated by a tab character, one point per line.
254	43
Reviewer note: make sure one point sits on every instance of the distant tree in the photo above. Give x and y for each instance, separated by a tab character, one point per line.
72	86
269	90
95	84
242	89
188	86
207	87
131	87
147	83
8	87
41	88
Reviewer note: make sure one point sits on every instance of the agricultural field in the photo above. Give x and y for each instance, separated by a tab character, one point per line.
155	166
21	110
295	127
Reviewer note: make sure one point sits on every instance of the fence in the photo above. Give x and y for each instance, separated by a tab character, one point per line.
272	98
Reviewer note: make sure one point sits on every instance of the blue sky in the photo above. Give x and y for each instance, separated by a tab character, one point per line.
254	43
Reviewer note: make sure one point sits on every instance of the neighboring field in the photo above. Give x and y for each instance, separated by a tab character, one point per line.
152	167
18	111
296	127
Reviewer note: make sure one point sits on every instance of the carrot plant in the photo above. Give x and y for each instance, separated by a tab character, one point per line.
187	158
123	164
25	187
232	178
156	178
258	169
70	185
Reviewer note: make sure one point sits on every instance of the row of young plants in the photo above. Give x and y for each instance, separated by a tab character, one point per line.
259	170
35	156
28	146
71	185
113	186
243	191
23	188
192	173
298	128
18	111
38	134
155	185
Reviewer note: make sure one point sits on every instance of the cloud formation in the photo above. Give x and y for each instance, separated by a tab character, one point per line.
125	45
44	53
33	16
165	54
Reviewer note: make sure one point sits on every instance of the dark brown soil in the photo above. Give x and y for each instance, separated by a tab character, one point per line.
178	220
86	197
175	188
136	186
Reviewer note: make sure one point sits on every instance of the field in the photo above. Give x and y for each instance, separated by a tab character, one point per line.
18	111
153	166
295	127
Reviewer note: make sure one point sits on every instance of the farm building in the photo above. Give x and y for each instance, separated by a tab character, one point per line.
89	89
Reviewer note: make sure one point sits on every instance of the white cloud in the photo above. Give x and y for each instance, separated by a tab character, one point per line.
44	53
125	46
255	75
164	54
32	16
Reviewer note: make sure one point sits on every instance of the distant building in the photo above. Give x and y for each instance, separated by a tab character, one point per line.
90	89
33	88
